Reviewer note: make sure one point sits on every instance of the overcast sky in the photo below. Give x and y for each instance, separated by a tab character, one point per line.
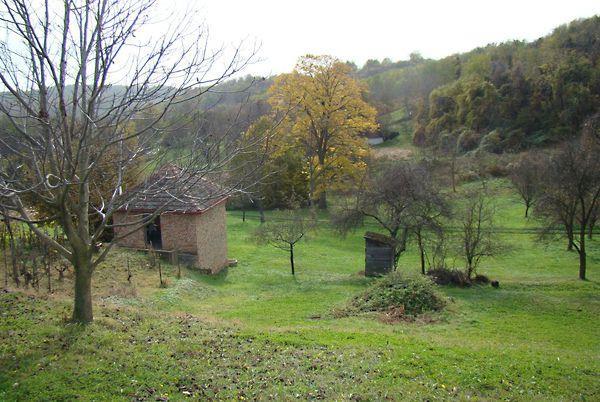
361	30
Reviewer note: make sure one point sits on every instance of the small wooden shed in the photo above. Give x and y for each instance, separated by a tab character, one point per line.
379	254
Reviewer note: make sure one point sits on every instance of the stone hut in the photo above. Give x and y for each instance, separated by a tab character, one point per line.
191	224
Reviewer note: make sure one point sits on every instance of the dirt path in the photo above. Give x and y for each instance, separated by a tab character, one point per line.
393	153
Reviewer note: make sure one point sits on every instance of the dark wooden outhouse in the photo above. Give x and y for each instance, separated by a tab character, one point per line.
379	254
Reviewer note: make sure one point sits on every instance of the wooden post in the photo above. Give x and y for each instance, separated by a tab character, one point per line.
176	258
128	271
47	263
34	274
4	248
160	274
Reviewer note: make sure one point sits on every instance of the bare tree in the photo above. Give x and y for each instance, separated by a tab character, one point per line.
252	163
402	199
591	131
591	140
4	245
11	246
476	233
448	146
80	140
571	190
525	177
284	231
428	220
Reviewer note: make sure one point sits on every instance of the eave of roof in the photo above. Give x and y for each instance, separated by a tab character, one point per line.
381	238
175	211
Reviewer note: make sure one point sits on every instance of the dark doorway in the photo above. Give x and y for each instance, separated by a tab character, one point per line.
153	236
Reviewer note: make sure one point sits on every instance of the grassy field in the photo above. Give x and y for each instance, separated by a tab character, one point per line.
257	332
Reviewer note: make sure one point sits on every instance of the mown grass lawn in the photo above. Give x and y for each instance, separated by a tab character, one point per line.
257	332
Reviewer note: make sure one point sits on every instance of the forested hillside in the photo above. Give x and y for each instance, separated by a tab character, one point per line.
502	97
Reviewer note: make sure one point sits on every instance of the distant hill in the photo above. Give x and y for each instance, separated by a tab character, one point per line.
500	97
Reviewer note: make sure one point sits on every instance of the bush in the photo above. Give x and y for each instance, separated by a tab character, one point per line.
446	276
497	165
468	140
497	170
413	296
492	142
468	176
481	279
514	141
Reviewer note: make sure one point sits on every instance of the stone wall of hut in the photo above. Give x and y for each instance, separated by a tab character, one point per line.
211	235
136	239
178	232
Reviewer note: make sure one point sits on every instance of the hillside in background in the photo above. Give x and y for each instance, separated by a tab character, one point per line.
501	97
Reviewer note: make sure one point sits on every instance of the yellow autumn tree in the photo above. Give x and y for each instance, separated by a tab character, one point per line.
324	117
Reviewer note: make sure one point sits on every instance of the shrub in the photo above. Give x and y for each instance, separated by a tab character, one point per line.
446	276
496	165
413	296
497	170
468	140
468	176
481	279
492	142
419	136
514	141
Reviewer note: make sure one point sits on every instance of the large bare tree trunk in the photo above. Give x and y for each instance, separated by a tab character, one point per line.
82	309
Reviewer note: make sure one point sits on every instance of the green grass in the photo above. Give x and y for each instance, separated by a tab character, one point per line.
392	122
403	140
257	332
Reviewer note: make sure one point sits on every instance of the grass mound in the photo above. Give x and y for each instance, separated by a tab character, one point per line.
402	295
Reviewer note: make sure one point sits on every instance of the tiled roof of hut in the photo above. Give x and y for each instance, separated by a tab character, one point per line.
174	190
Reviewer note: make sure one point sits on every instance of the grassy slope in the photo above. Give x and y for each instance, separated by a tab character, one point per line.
256	331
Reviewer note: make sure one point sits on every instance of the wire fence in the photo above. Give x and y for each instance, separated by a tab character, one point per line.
450	229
